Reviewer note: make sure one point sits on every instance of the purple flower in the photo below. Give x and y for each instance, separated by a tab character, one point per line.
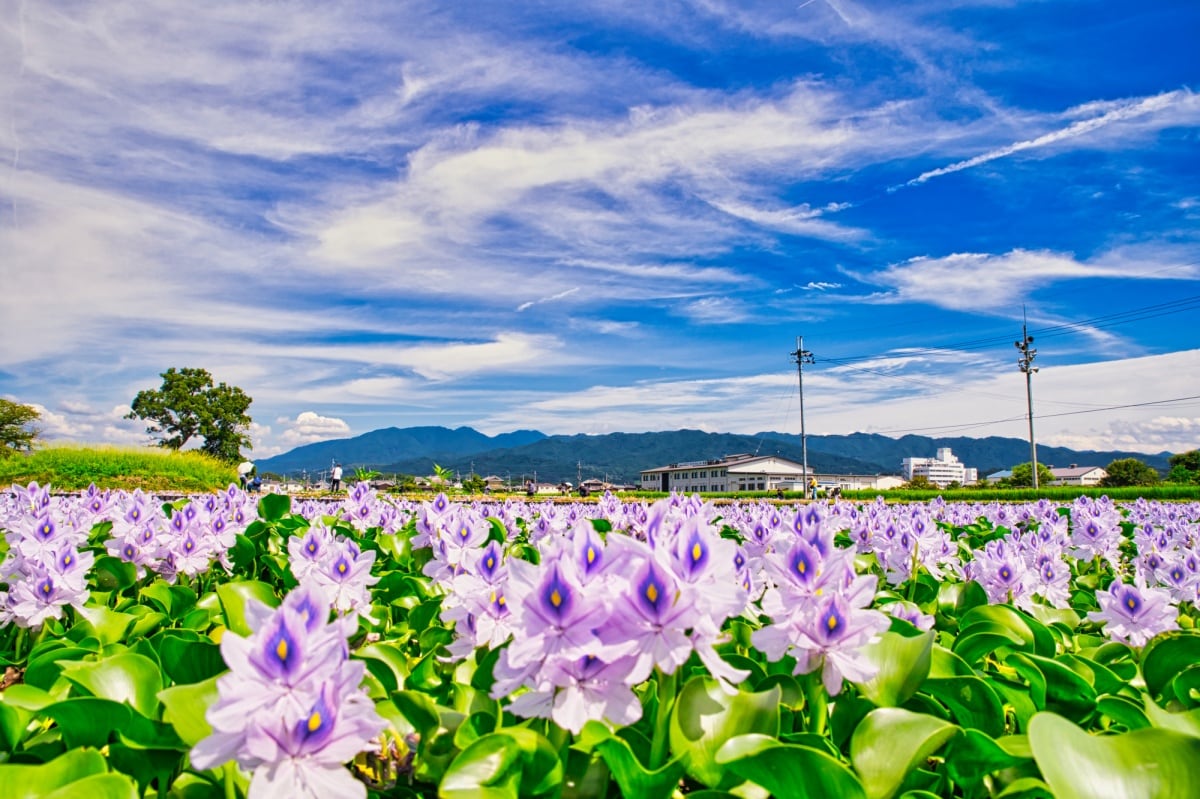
1133	614
291	708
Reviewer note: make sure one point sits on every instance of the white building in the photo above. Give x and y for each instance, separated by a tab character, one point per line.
941	470
1078	475
732	473
752	473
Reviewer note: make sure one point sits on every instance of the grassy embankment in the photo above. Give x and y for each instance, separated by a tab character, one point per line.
74	467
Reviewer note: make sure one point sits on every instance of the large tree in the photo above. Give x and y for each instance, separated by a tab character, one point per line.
1185	467
17	431
190	405
1022	475
1129	472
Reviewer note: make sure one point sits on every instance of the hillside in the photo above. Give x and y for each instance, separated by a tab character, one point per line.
392	445
619	457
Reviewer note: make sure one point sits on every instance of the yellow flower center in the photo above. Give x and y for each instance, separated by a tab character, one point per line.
314	722
281	649
652	593
555	598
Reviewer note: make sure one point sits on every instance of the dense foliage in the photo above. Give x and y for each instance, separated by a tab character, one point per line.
216	647
189	404
17	427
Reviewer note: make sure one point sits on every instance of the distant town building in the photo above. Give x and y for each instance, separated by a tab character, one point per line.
743	472
996	477
1075	475
941	470
746	472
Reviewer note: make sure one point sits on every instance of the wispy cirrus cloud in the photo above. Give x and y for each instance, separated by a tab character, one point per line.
1181	106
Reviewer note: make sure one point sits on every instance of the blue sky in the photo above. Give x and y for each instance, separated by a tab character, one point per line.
599	216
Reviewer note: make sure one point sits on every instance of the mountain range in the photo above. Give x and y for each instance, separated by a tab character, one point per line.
619	457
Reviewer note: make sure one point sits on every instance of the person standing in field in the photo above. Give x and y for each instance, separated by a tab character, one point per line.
245	469
335	478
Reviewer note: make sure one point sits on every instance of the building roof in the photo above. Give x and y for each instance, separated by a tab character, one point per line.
1075	471
741	459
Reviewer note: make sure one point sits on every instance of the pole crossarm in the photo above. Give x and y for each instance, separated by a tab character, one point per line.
1025	364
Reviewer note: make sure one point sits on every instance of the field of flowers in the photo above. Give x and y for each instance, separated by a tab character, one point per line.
226	645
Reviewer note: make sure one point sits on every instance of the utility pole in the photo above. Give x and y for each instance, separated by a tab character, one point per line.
802	356
1025	363
578	473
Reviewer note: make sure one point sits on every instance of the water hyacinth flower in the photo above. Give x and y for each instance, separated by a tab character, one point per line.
1133	614
291	709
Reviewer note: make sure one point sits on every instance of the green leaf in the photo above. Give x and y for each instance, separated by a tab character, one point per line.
705	717
108	626
633	778
902	663
1053	686
37	782
234	596
125	677
13	722
1165	656
86	721
419	710
972	756
112	574
1187	722
273	507
98	786
44	669
971	702
386	662
1124	711
184	707
189	661
789	771
516	762
1144	764
890	742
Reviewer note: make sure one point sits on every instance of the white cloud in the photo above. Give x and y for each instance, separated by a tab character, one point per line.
308	427
985	282
1181	104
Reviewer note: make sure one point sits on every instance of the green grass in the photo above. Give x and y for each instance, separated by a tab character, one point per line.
71	467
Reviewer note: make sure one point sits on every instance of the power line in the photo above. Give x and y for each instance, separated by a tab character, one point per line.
1107	320
968	425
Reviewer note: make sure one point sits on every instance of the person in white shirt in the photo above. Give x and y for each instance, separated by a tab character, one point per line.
245	469
335	478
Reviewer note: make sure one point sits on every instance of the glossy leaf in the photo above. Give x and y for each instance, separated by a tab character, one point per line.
516	762
789	771
971	756
972	702
902	663
632	776
20	781
705	717
1145	764
1166	656
890	742
108	626
233	597
126	677
184	707
86	721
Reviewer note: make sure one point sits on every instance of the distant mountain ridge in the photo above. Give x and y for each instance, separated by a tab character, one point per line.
619	457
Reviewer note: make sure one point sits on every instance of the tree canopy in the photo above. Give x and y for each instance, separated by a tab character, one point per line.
1129	472
1185	467
190	405
1022	475
17	430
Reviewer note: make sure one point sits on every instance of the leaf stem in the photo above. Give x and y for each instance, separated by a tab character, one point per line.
818	703
662	719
